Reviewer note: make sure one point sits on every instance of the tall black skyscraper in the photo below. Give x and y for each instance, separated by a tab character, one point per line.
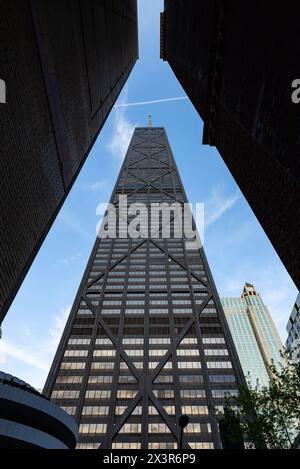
64	63
146	340
237	61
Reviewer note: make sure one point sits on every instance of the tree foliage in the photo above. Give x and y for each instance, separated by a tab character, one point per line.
269	416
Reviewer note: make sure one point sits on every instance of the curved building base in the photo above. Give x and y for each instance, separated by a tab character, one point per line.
29	420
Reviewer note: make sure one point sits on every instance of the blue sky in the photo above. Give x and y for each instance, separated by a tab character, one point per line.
235	244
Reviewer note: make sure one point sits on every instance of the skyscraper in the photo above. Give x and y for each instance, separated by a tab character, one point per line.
293	330
237	62
146	340
254	334
64	64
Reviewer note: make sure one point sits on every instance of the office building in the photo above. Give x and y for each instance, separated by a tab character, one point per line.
238	62
146	340
254	334
63	64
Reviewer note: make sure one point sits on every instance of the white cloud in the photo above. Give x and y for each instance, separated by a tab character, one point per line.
68	260
2	352
122	131
279	295
22	354
71	259
37	355
218	204
154	101
56	331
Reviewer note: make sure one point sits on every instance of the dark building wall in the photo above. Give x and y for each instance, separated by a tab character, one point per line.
146	339
236	61
64	63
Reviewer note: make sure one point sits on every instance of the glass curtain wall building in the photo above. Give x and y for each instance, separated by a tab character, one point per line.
254	333
147	339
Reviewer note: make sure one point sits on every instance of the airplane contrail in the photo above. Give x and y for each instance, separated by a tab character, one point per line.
156	101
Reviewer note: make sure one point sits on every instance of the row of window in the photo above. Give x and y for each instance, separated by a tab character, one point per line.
79	341
192	393
219	364
135	302
221	393
187	352
101	379
97	394
103	341
133	445
95	410
92	428
163	379
201	445
189	365
65	394
72	365
135	353
194	410
160	379
155	352
164	393
183	311
102	365
214	340
76	353
133	341
69	379
216	352
104	353
158	311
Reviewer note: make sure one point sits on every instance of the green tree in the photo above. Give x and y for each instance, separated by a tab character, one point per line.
269	416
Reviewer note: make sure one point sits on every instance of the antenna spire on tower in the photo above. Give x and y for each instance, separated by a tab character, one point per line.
150	121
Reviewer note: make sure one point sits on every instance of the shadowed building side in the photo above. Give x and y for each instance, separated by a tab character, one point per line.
236	62
64	63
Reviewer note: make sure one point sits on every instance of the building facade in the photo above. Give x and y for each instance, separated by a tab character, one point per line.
237	62
254	334
30	421
146	340
293	330
63	64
